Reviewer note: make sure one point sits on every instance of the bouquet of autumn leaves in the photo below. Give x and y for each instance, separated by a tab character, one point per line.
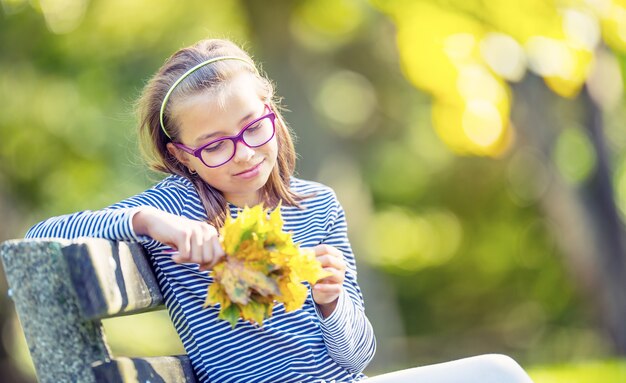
262	265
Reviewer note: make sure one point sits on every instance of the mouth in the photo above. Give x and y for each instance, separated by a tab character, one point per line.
250	170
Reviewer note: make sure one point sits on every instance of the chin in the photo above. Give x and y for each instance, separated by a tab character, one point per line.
262	180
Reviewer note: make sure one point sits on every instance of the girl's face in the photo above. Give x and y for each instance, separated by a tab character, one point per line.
214	114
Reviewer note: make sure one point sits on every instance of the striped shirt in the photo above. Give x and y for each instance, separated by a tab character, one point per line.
297	346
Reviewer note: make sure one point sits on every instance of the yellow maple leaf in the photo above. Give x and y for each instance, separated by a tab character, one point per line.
216	295
306	267
253	312
292	294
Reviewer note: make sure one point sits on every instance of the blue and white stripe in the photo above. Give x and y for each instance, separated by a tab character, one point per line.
299	346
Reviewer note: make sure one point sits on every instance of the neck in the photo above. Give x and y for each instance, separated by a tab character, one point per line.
243	200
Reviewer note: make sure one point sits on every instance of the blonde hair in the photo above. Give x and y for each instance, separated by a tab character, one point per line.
210	77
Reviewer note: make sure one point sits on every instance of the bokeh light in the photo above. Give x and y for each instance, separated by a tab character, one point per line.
395	173
349	101
482	123
574	155
614	23
405	241
63	16
13	6
504	55
528	176
581	28
605	82
318	29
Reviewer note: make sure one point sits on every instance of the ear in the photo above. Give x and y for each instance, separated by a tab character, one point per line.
180	155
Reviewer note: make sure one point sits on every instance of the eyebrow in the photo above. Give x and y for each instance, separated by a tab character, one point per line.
220	133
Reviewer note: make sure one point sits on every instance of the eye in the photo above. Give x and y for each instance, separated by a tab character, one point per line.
260	125
214	147
254	127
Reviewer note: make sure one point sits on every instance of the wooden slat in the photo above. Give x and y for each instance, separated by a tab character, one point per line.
111	278
142	370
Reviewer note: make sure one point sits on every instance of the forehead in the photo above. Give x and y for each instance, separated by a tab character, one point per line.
241	86
218	109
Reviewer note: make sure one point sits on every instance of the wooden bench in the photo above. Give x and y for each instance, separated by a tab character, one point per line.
62	289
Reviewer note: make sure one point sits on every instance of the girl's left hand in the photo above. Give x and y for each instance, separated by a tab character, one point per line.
326	291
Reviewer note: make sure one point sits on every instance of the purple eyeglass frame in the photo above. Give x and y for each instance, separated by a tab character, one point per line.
237	138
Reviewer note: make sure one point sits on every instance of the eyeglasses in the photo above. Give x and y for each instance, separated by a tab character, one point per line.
218	152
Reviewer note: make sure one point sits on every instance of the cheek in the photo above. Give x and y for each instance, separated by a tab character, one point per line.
214	176
273	149
196	162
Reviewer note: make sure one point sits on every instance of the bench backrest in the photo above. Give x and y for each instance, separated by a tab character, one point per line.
62	289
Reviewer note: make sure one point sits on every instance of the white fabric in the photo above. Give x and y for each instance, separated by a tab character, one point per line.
491	368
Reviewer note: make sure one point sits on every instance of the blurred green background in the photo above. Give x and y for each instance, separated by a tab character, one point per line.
476	145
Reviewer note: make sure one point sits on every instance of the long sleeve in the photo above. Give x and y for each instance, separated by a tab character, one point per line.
113	222
347	332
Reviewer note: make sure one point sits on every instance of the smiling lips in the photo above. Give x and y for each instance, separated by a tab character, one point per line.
251	172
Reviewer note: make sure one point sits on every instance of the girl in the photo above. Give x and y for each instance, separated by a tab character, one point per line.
208	119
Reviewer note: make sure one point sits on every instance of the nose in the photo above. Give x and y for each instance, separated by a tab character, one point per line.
243	153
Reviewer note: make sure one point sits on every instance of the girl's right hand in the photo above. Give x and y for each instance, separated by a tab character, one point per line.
195	241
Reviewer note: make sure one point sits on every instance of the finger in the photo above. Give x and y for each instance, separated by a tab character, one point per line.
335	277
207	248
218	251
197	245
210	229
327	249
207	253
322	249
327	289
182	242
335	252
331	261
